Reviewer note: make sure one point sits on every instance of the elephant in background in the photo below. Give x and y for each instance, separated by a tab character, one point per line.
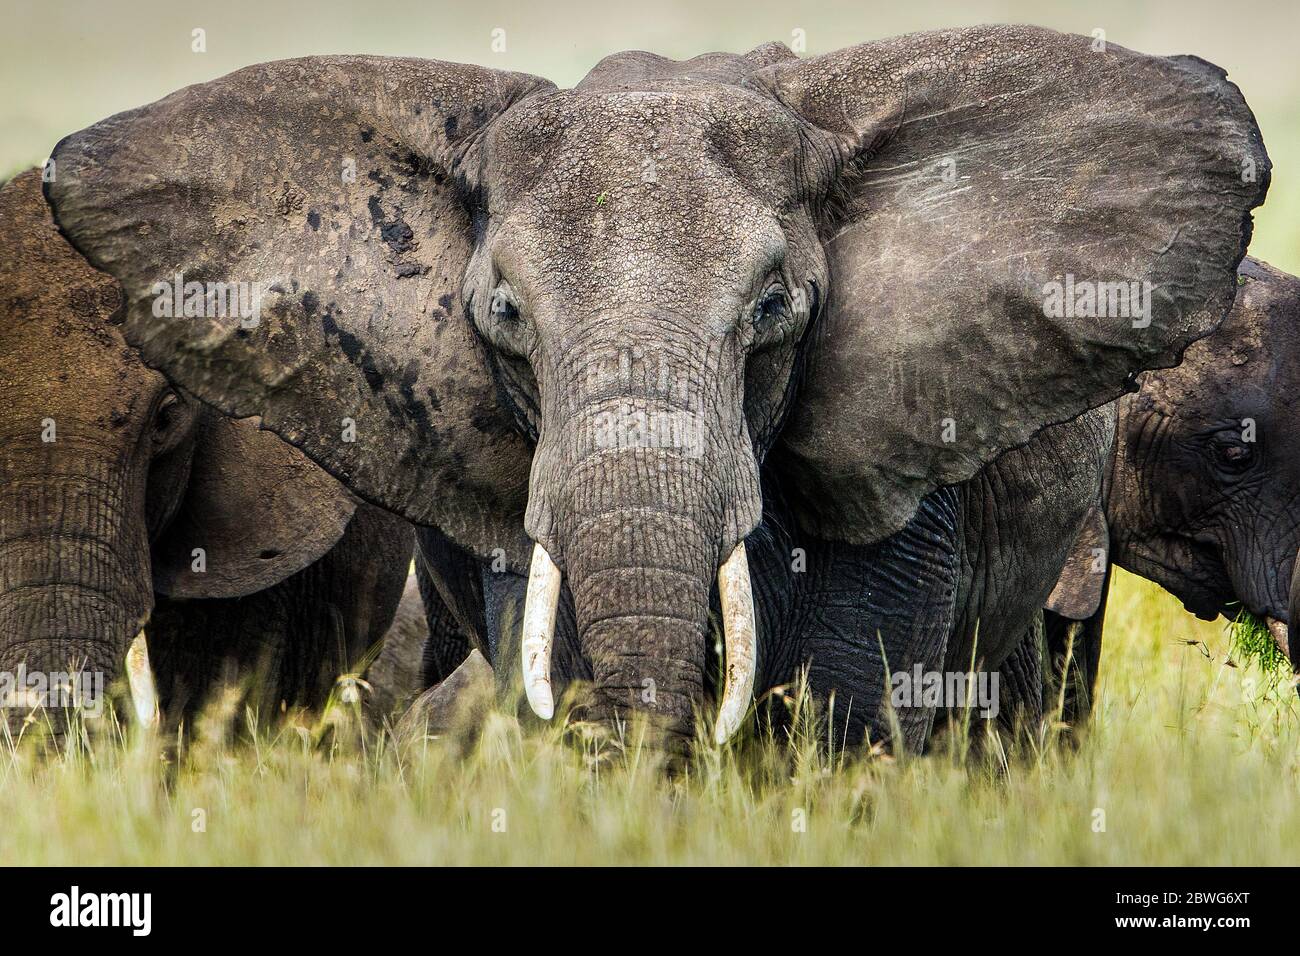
126	503
1201	491
735	338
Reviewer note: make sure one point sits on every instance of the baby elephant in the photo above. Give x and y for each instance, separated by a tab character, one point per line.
125	503
1201	495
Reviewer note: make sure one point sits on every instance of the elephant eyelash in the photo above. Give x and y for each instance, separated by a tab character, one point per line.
166	417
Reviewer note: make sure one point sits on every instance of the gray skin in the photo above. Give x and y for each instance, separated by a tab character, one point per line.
798	303
1011	526
98	526
1197	498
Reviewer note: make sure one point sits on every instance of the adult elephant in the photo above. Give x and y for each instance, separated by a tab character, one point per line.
1200	495
125	503
614	335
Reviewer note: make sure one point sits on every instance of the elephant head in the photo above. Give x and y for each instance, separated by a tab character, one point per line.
1202	495
114	485
570	325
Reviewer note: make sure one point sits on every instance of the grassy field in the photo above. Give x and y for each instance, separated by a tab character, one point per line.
1190	760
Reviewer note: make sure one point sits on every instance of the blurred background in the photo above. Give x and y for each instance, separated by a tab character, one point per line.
66	63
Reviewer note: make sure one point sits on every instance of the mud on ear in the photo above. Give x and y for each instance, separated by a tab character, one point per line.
256	510
1016	221
1078	590
292	240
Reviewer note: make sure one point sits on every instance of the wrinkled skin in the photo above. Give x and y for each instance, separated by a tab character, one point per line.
1006	533
1201	495
684	305
98	524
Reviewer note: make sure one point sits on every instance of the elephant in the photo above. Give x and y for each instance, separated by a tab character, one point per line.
732	345
1200	490
125	503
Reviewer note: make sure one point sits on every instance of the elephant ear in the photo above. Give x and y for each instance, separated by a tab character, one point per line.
986	182
259	509
312	214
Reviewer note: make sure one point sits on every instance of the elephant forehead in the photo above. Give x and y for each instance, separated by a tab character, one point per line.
646	194
673	132
59	328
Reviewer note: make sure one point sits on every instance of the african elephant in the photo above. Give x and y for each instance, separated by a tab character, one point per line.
748	319
125	503
1200	495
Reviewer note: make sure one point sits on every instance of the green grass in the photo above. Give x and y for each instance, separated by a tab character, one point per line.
1251	641
1189	760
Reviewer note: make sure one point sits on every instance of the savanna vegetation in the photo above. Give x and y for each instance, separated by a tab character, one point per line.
1193	757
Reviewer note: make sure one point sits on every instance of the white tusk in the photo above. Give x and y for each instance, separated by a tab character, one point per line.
139	677
1280	634
539	631
739	637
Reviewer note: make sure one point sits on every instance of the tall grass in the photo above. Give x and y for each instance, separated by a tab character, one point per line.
1190	759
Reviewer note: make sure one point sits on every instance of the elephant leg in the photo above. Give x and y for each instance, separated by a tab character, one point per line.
1020	682
877	617
451	586
1074	659
1016	694
447	644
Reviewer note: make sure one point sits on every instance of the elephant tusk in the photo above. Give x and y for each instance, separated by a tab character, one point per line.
139	677
1280	635
539	631
740	639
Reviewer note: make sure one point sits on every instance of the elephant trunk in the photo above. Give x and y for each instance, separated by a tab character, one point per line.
74	585
641	578
644	517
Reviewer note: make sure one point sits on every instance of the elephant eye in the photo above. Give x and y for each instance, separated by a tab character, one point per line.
505	305
1232	455
166	410
167	416
772	306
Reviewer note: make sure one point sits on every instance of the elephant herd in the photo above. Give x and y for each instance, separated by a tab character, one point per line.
694	380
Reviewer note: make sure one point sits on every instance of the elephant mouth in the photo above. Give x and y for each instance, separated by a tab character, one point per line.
738	628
